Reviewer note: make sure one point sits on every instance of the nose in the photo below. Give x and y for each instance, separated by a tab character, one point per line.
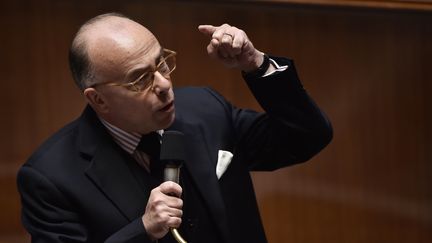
161	85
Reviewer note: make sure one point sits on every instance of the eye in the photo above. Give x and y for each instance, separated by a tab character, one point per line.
144	82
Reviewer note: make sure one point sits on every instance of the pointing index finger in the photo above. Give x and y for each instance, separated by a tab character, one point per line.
207	30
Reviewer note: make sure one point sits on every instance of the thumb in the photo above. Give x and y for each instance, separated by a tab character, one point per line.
207	30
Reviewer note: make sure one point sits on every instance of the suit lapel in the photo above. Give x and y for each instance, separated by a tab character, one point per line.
108	168
111	174
203	173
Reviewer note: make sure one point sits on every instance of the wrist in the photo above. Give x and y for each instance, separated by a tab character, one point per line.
147	228
254	62
259	70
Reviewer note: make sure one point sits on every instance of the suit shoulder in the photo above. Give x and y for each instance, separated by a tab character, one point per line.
197	90
56	145
202	105
199	96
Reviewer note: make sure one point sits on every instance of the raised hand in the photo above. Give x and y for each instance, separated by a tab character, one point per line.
232	46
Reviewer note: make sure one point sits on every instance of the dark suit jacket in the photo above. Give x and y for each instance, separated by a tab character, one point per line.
80	186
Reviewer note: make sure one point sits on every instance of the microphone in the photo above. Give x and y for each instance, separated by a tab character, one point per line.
172	154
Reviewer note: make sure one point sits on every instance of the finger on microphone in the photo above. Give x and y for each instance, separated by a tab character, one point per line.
174	202
174	222
174	212
171	188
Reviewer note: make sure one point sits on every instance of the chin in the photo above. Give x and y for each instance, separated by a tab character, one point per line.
168	121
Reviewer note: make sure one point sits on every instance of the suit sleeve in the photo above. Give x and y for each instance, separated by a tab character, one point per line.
49	217
292	130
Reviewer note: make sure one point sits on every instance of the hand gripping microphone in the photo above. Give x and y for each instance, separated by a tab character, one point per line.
172	155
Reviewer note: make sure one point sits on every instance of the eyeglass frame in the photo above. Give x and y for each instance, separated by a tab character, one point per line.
171	54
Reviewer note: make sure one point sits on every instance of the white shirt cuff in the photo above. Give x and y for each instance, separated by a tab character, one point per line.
277	68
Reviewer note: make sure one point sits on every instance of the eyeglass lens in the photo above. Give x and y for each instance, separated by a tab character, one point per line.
165	68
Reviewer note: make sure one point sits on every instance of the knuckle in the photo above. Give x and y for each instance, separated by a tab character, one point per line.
152	202
164	219
167	184
157	200
175	222
236	45
180	203
158	207
214	43
173	185
154	191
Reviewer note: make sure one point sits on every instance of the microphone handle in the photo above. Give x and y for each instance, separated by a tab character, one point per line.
177	235
172	173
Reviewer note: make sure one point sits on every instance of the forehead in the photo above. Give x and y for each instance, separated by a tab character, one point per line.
120	43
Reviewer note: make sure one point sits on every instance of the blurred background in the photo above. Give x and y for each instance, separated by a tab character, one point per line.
366	63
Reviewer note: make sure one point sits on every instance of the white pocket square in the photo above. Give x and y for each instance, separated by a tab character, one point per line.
224	159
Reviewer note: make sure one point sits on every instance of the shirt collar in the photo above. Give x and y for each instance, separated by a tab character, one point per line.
128	141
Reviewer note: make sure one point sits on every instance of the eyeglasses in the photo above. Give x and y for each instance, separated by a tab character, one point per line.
146	80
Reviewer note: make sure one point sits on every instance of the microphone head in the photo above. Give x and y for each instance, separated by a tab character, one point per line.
172	148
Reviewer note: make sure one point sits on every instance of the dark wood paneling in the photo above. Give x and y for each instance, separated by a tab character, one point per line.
412	5
368	69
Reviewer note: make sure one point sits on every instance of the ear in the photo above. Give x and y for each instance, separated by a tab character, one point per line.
96	100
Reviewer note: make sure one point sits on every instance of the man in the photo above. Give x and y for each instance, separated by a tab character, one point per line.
90	182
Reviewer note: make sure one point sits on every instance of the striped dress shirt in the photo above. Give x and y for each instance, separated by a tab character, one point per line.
128	142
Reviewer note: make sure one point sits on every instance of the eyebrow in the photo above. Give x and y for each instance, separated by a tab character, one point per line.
161	52
134	74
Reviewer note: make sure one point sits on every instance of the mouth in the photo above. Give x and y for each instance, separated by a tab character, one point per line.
168	107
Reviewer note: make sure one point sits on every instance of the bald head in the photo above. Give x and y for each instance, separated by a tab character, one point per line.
104	43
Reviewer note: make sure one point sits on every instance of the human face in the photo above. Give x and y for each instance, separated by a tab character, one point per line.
165	67
122	57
